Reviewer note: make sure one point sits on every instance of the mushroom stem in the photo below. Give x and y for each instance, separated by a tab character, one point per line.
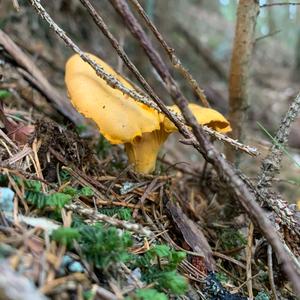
143	151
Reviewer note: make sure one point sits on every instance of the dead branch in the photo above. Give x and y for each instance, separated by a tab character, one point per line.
104	28
92	216
204	52
279	4
271	165
61	103
270	272
239	69
172	56
136	29
249	260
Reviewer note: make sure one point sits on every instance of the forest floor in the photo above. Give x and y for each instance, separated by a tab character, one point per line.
77	222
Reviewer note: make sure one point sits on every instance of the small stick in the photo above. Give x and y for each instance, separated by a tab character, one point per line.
109	79
279	4
271	165
92	217
171	53
114	42
16	5
61	103
249	260
270	272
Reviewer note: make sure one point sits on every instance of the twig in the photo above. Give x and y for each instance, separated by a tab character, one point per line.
103	27
171	53
16	157
270	272
110	80
16	5
61	103
91	217
204	52
114	42
266	36
229	258
226	173
271	166
279	4
249	260
272	163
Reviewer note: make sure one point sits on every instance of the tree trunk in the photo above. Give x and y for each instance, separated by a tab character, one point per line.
239	69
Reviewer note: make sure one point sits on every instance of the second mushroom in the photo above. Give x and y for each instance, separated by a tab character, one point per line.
121	119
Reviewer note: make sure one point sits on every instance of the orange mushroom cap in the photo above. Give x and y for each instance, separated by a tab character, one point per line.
204	116
119	118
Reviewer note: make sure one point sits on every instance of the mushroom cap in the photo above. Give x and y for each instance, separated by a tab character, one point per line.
119	118
204	116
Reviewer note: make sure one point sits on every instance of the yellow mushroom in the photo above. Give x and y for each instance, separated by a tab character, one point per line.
121	119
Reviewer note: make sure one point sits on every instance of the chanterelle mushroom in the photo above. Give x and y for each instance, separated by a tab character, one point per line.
121	119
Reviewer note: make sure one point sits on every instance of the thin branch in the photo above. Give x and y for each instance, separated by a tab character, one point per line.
249	260
266	36
171	53
110	80
204	52
155	59
61	103
16	5
279	4
270	272
271	165
91	217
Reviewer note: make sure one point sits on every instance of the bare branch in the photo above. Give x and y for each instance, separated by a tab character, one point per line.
61	103
171	53
92	217
204	52
271	166
279	4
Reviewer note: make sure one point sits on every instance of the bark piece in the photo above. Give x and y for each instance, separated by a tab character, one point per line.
192	234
